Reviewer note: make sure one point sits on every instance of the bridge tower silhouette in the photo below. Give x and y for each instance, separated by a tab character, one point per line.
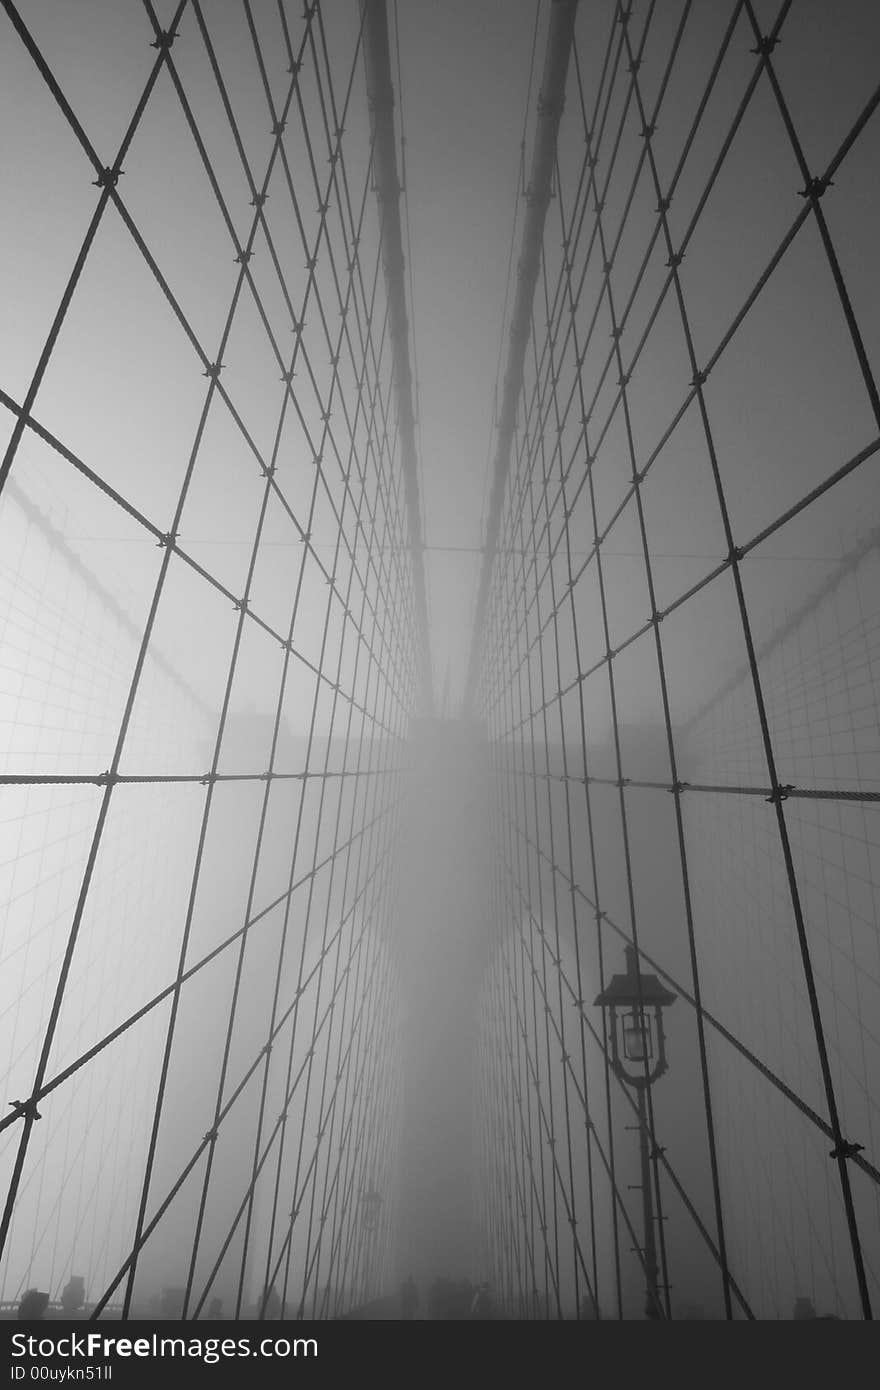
308	974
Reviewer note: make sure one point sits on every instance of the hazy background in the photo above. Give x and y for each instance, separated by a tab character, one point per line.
456	865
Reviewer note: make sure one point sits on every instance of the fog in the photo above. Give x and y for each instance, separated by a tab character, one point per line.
299	968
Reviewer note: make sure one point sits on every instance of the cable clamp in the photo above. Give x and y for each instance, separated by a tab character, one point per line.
212	1136
26	1109
845	1149
213	370
699	378
108	178
287	377
167	538
815	187
164	39
258	200
267	470
106	779
278	128
663	205
208	779
678	787
240	605
675	260
648	130
243	257
765	45
736	554
634	65
781	793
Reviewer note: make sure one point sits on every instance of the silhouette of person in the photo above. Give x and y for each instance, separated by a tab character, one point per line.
73	1295
481	1304
409	1298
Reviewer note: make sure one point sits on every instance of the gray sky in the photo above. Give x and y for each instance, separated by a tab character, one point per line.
124	390
123	370
121	358
465	75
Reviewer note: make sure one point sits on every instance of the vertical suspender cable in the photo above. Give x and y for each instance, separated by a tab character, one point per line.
380	98
560	38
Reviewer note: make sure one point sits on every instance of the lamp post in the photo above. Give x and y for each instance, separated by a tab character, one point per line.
635	1003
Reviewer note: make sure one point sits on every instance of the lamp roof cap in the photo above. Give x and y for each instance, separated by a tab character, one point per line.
635	987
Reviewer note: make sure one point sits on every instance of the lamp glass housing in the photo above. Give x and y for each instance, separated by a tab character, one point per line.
637	1041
